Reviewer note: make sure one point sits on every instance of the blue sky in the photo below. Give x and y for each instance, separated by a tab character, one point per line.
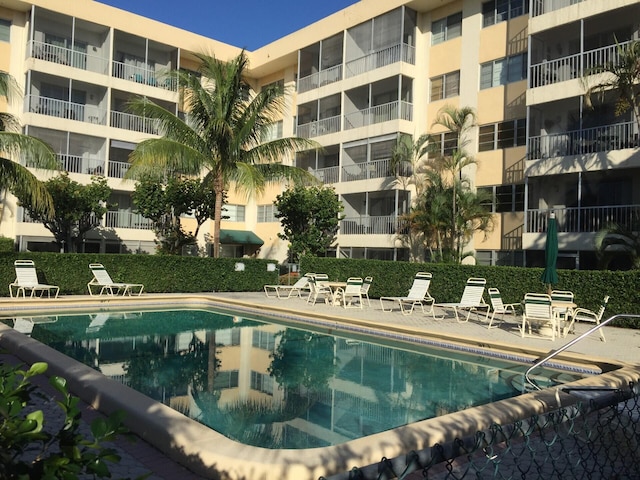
246	24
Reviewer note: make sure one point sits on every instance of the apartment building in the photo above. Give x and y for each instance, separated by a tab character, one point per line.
358	79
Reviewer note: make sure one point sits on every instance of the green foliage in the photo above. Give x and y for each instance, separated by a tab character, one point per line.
618	248
30	449
164	205
6	244
78	209
158	273
395	279
310	218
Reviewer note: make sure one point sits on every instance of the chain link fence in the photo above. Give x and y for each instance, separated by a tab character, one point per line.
593	439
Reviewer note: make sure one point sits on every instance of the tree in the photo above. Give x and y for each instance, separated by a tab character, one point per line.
164	205
618	248
310	218
622	75
409	161
77	209
221	136
14	145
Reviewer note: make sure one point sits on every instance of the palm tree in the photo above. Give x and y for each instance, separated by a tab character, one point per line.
409	160
622	74
221	137
13	144
458	120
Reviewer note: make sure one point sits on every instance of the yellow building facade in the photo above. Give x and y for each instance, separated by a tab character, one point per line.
357	80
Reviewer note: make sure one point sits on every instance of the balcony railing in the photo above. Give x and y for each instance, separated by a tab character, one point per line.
67	56
378	114
586	141
540	7
397	53
80	164
366	225
319	79
144	75
136	123
586	219
117	169
64	109
574	66
327	175
320	127
124	219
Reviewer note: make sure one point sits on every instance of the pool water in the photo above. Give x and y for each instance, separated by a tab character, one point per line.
276	386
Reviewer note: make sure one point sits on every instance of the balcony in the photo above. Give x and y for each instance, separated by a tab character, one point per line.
378	114
586	141
320	79
81	164
574	66
327	175
368	225
54	107
143	75
388	56
367	170
126	219
585	219
319	127
117	169
540	7
66	56
136	123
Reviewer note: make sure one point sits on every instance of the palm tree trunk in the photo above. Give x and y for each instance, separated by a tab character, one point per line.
218	188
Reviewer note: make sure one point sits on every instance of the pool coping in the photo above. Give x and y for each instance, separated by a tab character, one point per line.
212	455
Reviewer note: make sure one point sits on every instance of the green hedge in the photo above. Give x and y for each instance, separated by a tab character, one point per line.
158	273
395	279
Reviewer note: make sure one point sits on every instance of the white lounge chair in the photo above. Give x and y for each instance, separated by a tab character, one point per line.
288	291
351	292
418	296
586	315
97	321
319	290
472	300
102	281
366	285
537	309
497	306
27	280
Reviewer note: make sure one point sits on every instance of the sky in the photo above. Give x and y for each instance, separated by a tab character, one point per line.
248	24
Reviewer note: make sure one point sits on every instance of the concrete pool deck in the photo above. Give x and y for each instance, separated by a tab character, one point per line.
622	347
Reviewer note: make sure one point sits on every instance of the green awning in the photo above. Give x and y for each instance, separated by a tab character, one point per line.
239	237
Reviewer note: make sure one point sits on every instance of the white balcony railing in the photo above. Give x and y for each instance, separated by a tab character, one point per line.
54	107
378	114
147	76
320	79
67	56
81	164
136	123
125	219
586	219
327	175
540	7
583	142
368	225
574	66
387	56
320	127
117	169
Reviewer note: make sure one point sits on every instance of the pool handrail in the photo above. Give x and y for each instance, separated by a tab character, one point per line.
557	351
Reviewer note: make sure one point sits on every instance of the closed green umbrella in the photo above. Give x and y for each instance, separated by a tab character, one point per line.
550	275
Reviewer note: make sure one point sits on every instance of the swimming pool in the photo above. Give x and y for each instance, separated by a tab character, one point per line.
213	455
271	385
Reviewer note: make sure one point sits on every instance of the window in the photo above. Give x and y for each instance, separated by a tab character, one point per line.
503	71
235	213
267	213
506	198
446	28
496	11
263	340
228	379
279	84
5	29
445	86
262	382
272	131
445	144
507	134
